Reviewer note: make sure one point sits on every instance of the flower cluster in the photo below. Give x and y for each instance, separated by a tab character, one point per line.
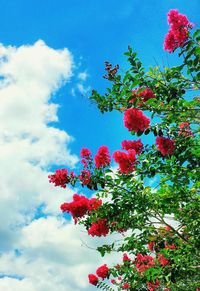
153	285
80	206
165	145
102	272
185	129
84	177
102	157
144	262
126	161
60	178
143	95
99	228
136	145
135	120
179	31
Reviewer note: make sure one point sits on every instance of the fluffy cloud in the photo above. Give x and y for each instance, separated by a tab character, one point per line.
38	252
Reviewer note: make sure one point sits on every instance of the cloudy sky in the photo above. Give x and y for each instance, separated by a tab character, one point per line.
52	54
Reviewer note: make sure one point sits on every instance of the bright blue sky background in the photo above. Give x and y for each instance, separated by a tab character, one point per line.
39	250
94	31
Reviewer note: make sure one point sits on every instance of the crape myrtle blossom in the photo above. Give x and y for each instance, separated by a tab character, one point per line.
153	285
126	161
179	30
185	129
60	178
144	95
102	157
93	279
99	228
102	271
135	120
136	145
80	206
165	145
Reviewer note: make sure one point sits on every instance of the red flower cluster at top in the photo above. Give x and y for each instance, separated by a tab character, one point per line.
136	145
144	95
85	153
165	145
178	32
153	285
102	271
144	262
135	120
126	161
99	228
60	178
80	206
102	157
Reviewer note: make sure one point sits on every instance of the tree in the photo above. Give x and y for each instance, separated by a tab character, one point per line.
158	253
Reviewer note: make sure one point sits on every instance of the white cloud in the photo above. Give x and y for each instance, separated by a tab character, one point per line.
50	253
83	76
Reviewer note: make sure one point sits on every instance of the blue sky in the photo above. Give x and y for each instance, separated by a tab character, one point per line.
45	122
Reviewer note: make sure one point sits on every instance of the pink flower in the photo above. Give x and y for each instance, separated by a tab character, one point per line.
144	95
151	245
85	153
135	120
113	281
126	286
126	258
165	145
99	228
85	177
93	279
94	203
60	178
162	260
102	158
126	161
179	30
102	271
78	207
185	129
153	285
144	262
133	145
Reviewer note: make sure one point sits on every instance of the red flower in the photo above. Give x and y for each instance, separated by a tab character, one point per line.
113	281
132	145
163	261
85	153
93	279
60	178
151	245
99	228
185	129
94	203
153	285
165	145
135	120
126	258
144	95
85	177
126	286
144	262
126	161
78	207
102	271
179	31
102	158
